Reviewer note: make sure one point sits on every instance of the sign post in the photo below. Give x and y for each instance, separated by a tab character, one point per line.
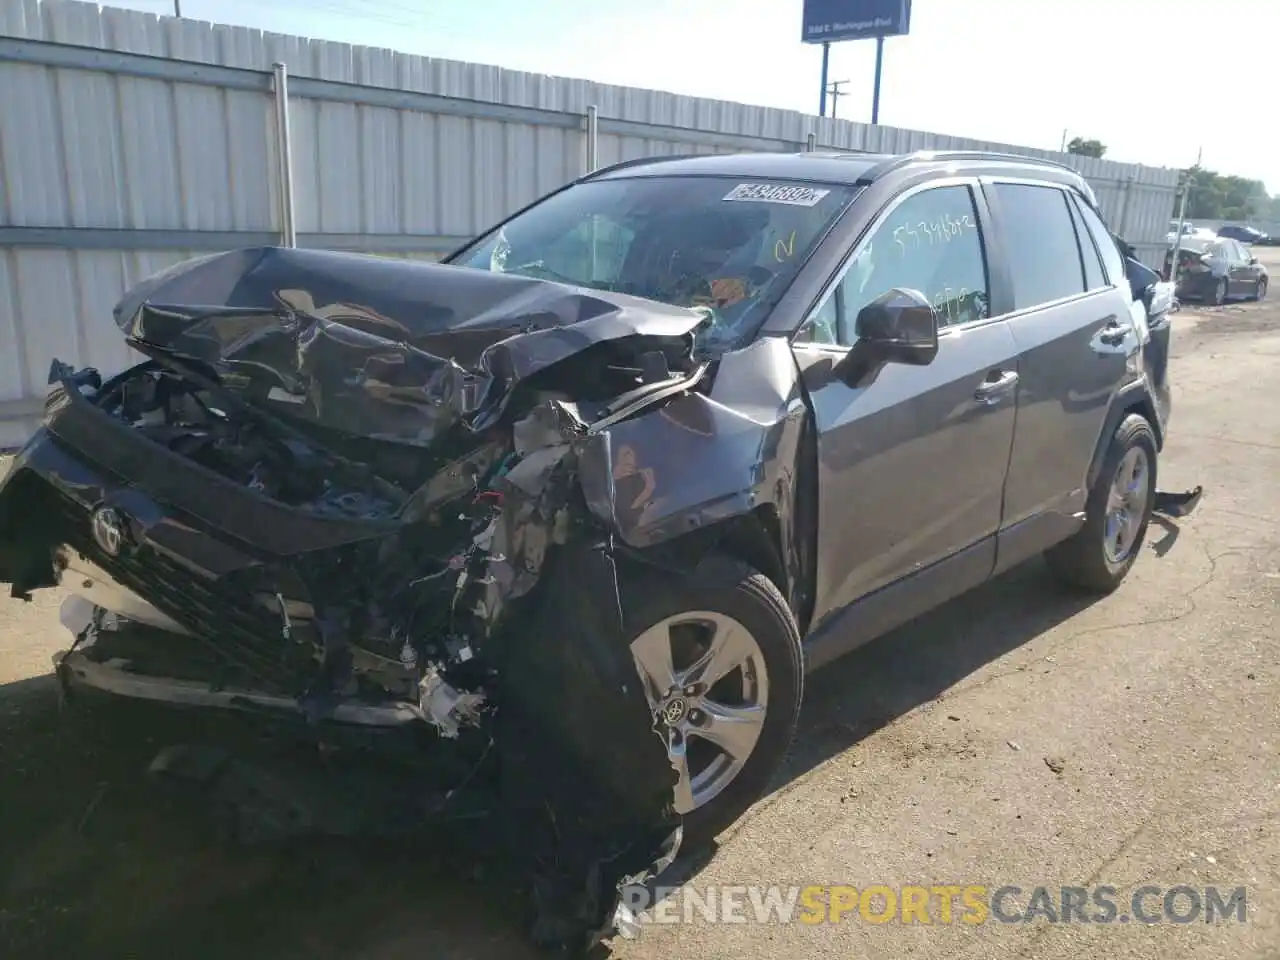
826	61
829	21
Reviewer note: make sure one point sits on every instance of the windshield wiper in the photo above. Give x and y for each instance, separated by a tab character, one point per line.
549	274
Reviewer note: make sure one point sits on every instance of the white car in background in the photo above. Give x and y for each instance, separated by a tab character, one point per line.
1188	228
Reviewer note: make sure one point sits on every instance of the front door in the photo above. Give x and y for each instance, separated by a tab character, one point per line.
911	464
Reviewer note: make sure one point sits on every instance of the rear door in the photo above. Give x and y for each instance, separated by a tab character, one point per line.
1072	323
911	465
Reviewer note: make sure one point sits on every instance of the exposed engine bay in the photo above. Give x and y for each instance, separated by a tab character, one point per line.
301	509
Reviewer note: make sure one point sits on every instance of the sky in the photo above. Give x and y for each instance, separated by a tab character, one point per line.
1155	80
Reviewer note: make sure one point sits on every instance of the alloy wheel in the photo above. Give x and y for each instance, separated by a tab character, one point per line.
1126	505
708	688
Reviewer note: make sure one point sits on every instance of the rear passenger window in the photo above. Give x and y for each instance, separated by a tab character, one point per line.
1040	242
1112	259
1093	277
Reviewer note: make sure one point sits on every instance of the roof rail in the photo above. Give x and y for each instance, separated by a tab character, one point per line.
637	162
929	156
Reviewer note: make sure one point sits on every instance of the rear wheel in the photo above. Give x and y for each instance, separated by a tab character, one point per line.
1262	289
1117	512
719	656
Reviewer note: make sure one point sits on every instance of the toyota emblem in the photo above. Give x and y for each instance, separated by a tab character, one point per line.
108	530
674	711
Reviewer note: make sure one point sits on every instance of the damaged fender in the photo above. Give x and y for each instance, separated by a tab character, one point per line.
697	465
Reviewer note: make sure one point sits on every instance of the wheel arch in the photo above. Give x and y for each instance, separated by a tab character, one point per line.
1134	399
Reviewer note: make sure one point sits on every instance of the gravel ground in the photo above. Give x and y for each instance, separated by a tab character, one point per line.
1016	736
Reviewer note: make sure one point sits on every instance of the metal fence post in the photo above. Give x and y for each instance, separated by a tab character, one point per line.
284	156
593	139
811	142
1127	188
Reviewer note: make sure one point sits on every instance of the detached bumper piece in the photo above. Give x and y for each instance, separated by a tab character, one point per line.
1177	504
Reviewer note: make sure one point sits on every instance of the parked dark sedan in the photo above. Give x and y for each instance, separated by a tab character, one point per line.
1242	234
588	498
1217	270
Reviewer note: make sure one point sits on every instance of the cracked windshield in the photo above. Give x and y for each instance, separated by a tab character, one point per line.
717	243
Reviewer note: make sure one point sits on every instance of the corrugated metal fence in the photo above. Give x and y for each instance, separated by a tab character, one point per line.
130	141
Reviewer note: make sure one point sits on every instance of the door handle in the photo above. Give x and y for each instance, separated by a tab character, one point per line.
1114	332
991	390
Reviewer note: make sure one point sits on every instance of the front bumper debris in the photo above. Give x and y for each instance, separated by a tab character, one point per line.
293	612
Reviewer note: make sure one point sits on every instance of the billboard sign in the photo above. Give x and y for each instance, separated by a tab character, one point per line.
826	21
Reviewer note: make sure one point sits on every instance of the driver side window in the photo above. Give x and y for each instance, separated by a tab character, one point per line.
930	242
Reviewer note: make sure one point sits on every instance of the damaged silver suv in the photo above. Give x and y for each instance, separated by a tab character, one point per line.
589	497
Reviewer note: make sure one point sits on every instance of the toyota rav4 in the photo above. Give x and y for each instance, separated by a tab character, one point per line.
599	489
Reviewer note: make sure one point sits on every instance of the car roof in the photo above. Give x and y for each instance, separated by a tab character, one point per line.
1200	241
851	167
847	168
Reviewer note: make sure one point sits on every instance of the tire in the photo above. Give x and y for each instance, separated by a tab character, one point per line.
1219	295
1262	289
728	588
1083	561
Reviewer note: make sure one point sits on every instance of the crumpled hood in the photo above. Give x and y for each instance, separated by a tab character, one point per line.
391	349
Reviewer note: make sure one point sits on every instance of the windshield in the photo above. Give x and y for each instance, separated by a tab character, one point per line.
714	242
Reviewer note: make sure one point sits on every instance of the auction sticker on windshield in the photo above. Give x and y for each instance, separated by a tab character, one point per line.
793	195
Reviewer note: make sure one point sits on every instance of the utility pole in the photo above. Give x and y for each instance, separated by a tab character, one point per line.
1063	148
836	93
1182	218
177	8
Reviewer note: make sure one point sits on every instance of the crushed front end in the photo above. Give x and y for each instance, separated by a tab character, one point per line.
295	506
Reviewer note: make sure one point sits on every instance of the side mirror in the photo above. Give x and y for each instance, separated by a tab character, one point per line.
899	326
1252	260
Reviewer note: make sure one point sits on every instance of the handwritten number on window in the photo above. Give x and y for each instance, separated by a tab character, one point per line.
943	230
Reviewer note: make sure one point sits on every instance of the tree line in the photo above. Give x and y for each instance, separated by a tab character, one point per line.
1214	196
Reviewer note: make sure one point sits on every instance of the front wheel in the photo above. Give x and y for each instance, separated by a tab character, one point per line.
1117	512
719	655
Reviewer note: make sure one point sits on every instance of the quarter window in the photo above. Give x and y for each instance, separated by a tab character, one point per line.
1093	276
932	243
1112	259
1040	242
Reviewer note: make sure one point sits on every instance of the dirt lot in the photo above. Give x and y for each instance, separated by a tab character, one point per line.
1017	736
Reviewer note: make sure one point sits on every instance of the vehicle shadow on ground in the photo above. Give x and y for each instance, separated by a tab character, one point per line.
854	697
97	859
